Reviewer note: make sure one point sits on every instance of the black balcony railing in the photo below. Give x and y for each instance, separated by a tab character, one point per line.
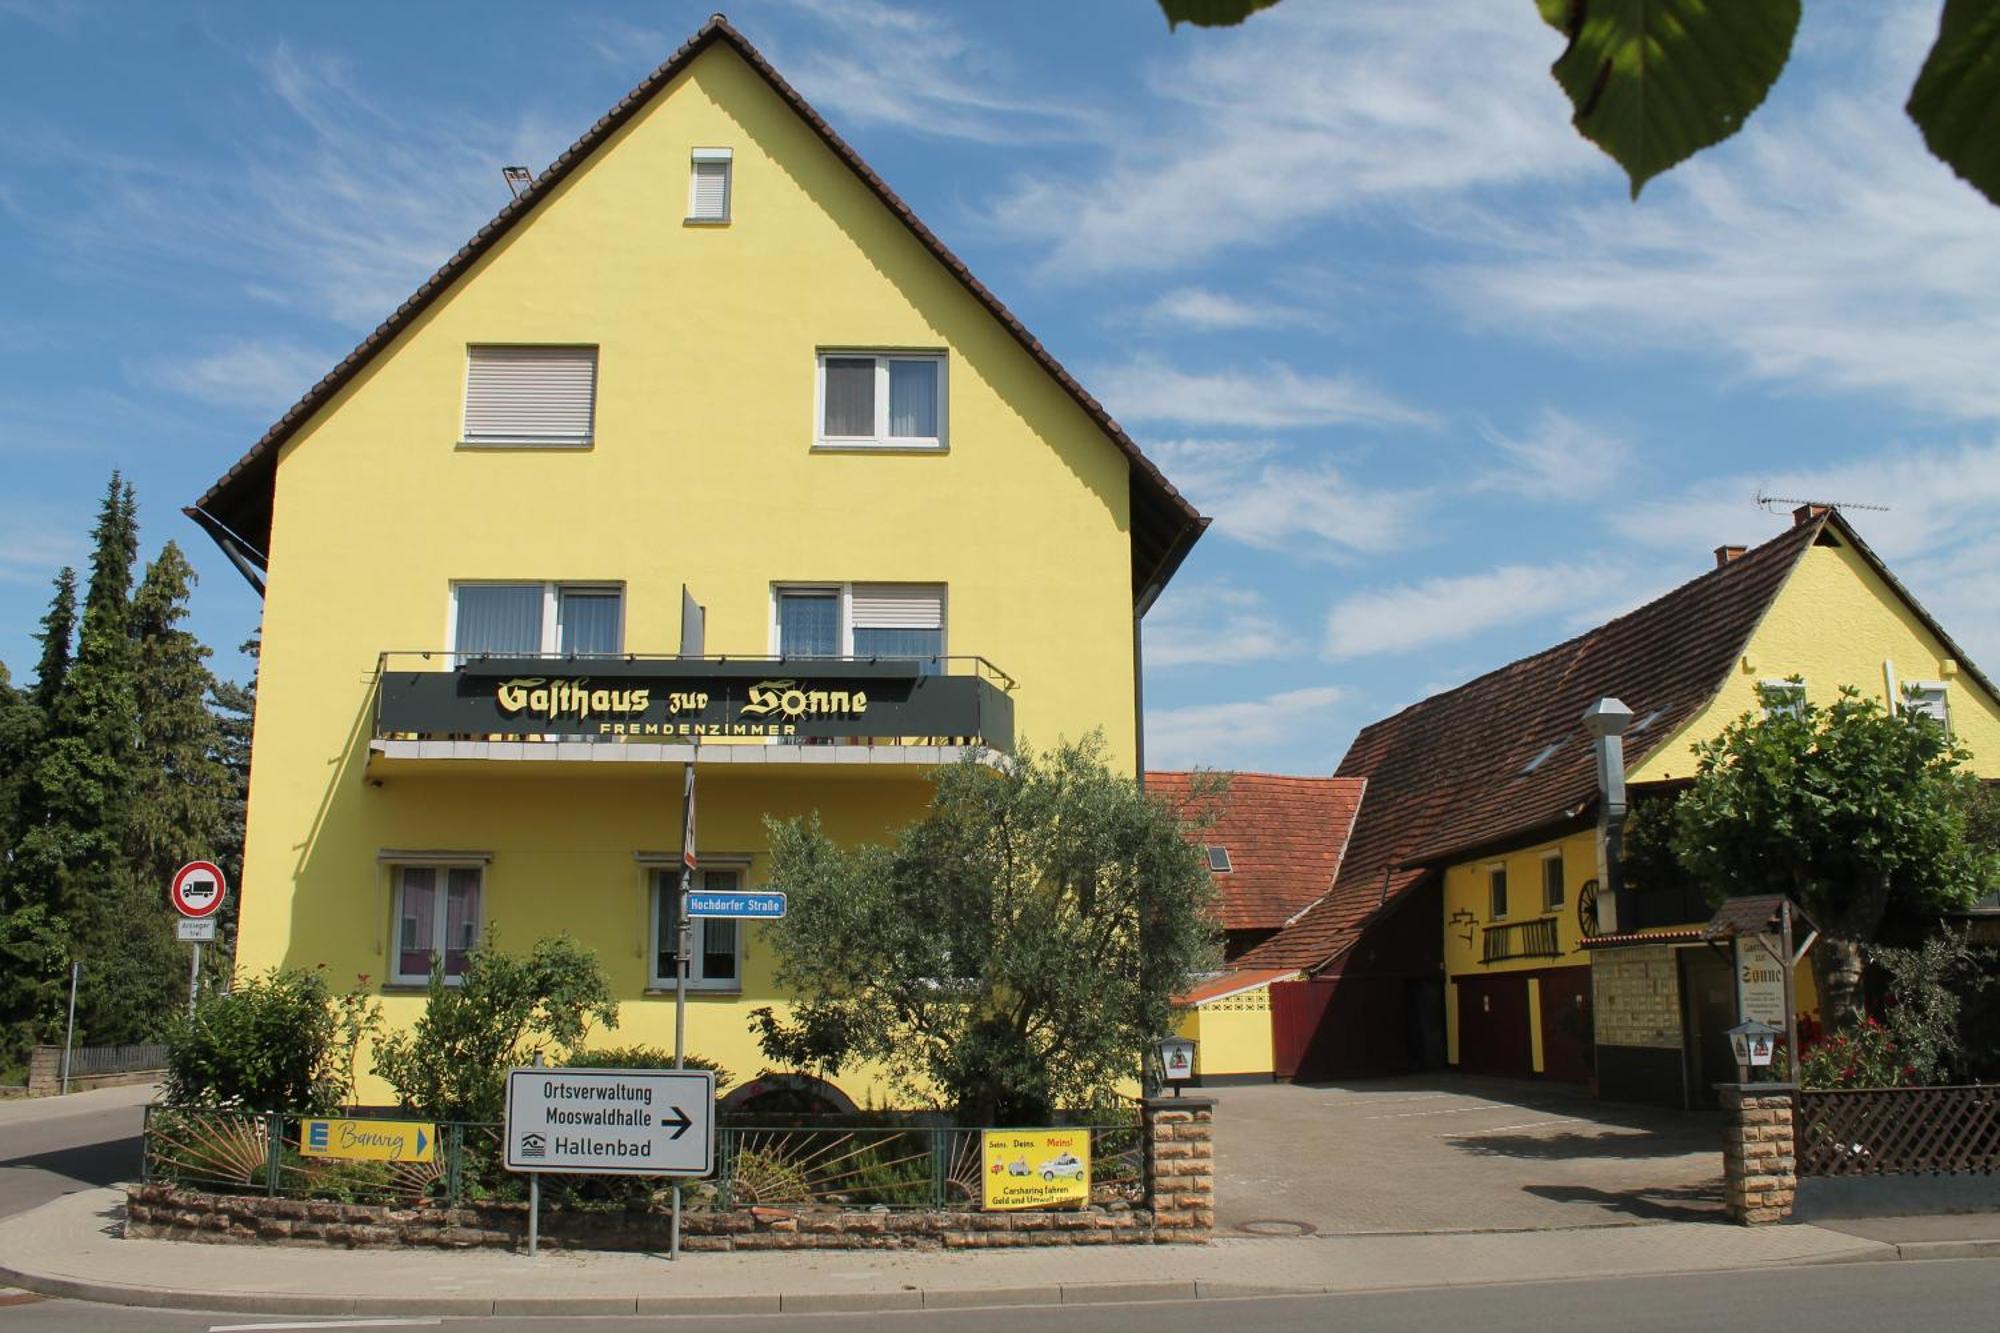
1521	939
663	699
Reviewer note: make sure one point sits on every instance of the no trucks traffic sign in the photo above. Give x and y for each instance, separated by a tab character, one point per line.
198	889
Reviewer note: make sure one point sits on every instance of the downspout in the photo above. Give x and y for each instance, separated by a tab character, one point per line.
1606	721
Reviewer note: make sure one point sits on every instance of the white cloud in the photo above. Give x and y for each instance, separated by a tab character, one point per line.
1558	458
1453	607
1214	623
1823	250
33	546
1312	510
1243	734
1203	310
1273	397
1310	111
266	376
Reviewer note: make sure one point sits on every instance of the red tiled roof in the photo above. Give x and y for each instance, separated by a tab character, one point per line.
1446	776
1284	835
1233	982
1164	526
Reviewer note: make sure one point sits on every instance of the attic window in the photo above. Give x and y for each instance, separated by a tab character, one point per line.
1218	859
1546	753
708	185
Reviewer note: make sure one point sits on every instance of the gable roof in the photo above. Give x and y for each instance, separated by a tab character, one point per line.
1451	774
1284	835
237	508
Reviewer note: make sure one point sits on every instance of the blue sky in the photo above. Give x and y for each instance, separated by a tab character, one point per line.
1351	278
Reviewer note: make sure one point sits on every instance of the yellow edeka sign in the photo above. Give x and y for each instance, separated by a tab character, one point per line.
1035	1168
369	1140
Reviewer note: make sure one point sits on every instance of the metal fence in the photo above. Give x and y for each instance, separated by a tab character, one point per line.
850	1163
142	1057
1898	1131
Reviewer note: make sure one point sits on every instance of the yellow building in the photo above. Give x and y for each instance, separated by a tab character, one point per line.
1482	805
705	451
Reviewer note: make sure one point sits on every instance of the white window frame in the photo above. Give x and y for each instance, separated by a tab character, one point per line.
662	879
727	157
844	593
1498	868
551	610
1794	688
1554	857
881	439
442	865
524	441
1937	690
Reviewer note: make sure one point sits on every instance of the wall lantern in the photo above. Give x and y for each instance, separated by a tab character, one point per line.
1176	1061
1754	1043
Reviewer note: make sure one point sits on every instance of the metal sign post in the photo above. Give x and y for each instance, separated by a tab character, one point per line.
683	955
69	1030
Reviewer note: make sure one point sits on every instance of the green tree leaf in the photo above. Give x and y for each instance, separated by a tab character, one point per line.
1211	13
1956	101
1655	81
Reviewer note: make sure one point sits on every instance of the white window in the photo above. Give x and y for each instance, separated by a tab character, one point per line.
892	620
1928	697
543	396
1783	698
880	400
1552	880
1496	892
708	185
534	619
716	960
436	917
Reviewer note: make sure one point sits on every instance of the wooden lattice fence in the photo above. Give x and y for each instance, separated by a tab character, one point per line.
1899	1131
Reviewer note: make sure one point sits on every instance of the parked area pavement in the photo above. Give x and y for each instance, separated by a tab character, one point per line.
51	1146
1442	1152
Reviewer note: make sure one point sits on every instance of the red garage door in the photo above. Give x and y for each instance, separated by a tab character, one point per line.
1566	1023
1493	1033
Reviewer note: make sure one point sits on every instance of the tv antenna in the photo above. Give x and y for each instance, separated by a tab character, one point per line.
1769	503
518	179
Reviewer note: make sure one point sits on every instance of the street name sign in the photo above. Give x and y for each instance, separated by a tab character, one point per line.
759	906
198	889
196	929
631	1122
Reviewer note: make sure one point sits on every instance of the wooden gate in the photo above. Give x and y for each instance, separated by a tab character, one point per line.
1493	1036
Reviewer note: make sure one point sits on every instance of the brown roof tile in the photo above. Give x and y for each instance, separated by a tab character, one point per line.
1165	525
1284	835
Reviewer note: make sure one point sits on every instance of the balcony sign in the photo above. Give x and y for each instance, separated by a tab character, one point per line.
670	701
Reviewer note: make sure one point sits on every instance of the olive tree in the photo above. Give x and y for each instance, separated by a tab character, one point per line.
1014	951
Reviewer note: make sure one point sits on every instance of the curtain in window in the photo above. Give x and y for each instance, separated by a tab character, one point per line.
666	884
808	625
461	918
913	399
850	397
589	622
718	934
499	618
417	920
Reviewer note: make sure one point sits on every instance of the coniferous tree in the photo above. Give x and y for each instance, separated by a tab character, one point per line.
236	708
58	638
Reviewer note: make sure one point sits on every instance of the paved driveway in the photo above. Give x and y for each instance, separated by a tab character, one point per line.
1445	1153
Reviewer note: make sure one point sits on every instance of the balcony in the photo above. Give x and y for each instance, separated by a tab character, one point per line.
434	710
1521	939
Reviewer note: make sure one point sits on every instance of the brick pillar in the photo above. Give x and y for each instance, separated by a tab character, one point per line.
45	1071
1180	1167
1759	1166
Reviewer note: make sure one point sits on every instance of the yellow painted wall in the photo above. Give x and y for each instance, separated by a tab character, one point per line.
701	473
1234	1033
1836	623
1467	911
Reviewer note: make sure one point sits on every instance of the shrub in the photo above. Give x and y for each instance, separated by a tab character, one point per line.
452	1064
276	1042
646	1057
1861	1055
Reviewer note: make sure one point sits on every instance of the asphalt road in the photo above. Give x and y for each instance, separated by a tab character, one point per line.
1945	1296
53	1145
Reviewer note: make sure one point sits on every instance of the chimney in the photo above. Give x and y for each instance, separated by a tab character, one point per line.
1806	513
1725	554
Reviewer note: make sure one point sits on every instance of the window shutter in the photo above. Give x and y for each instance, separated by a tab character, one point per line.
708	192
530	395
898	608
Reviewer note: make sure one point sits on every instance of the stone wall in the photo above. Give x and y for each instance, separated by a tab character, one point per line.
45	1075
1759	1166
1180	1166
1637	997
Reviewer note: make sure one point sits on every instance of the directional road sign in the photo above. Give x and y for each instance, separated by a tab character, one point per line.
369	1140
198	889
755	906
632	1122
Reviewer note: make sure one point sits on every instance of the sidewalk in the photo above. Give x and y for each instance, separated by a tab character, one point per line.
72	1248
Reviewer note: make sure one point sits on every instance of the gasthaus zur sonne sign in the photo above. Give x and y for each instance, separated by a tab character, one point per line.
634	1122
